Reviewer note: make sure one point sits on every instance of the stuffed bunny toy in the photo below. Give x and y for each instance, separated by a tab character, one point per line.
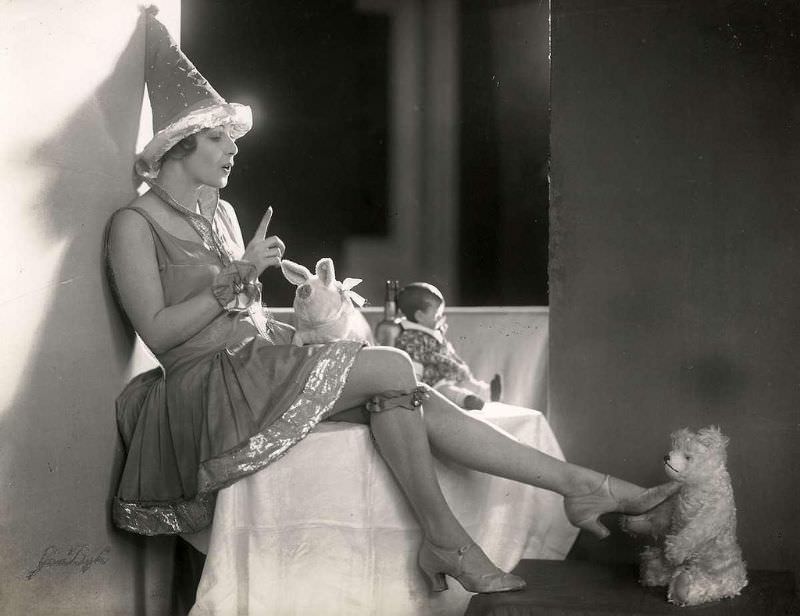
324	307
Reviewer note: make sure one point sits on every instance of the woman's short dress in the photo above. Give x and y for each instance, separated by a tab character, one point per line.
224	404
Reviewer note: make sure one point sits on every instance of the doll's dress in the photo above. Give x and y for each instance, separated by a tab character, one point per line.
225	403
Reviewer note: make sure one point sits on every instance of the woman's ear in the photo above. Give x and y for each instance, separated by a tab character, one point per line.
294	272
325	271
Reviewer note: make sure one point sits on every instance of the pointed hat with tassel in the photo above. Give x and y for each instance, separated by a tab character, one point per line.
182	100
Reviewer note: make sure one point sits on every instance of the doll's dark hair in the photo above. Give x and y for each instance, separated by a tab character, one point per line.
418	296
183	148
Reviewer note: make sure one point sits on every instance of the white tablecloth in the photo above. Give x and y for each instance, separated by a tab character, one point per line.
511	341
326	531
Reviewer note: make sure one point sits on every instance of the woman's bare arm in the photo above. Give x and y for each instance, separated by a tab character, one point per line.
135	268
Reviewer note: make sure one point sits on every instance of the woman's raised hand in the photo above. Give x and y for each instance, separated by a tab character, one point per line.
263	251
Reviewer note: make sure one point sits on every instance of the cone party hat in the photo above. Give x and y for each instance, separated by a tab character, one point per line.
182	100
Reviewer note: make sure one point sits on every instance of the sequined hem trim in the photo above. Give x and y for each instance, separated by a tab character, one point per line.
322	389
164	518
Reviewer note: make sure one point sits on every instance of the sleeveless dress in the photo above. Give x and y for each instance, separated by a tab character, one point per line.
225	403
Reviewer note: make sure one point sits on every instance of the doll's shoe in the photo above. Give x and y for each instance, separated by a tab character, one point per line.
582	511
468	565
495	388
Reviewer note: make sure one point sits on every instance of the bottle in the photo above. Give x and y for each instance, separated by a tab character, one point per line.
388	328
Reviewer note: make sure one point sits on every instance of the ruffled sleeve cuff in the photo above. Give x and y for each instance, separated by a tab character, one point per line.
236	286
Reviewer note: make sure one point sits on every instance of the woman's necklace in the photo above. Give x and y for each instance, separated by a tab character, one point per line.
258	315
199	223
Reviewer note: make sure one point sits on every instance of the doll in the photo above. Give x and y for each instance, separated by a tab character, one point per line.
435	360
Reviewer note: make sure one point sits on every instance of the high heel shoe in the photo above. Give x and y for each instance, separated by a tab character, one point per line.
582	511
436	561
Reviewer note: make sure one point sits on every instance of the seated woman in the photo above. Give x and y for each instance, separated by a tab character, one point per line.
234	395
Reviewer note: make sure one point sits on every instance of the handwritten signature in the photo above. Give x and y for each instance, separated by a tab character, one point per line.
78	556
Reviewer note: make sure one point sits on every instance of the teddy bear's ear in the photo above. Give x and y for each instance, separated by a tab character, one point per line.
325	271
711	437
680	437
294	272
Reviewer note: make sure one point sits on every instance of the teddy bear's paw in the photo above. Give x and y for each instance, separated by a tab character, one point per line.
695	586
729	581
688	597
680	589
635	524
655	578
653	569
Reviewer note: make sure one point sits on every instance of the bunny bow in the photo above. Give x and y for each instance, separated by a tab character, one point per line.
346	286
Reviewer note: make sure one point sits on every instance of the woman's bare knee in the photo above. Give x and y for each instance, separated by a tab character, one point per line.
386	367
375	370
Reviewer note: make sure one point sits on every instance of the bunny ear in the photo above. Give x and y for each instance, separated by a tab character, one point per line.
325	271
294	272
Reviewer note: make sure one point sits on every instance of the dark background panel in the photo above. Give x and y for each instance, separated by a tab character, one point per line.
315	74
505	97
674	234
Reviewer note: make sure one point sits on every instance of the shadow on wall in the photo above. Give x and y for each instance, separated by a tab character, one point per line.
60	441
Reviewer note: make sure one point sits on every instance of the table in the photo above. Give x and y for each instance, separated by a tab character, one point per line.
325	530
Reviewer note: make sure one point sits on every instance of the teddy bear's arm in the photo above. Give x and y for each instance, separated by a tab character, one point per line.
703	526
655	522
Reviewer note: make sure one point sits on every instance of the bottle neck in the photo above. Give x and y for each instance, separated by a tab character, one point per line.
390	300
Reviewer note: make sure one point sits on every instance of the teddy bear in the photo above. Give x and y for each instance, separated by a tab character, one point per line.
697	555
324	307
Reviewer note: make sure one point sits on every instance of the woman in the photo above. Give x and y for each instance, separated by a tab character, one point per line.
234	395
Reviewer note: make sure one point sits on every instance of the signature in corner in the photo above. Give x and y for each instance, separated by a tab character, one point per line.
79	556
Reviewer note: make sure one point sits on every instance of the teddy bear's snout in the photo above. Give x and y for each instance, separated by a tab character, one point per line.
666	458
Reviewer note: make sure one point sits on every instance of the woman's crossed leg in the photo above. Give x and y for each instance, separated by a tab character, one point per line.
405	438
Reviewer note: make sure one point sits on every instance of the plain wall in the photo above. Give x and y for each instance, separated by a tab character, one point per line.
674	226
72	78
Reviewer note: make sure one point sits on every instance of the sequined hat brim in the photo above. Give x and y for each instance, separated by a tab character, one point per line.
238	117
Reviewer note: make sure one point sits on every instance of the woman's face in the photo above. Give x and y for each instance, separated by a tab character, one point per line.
211	162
